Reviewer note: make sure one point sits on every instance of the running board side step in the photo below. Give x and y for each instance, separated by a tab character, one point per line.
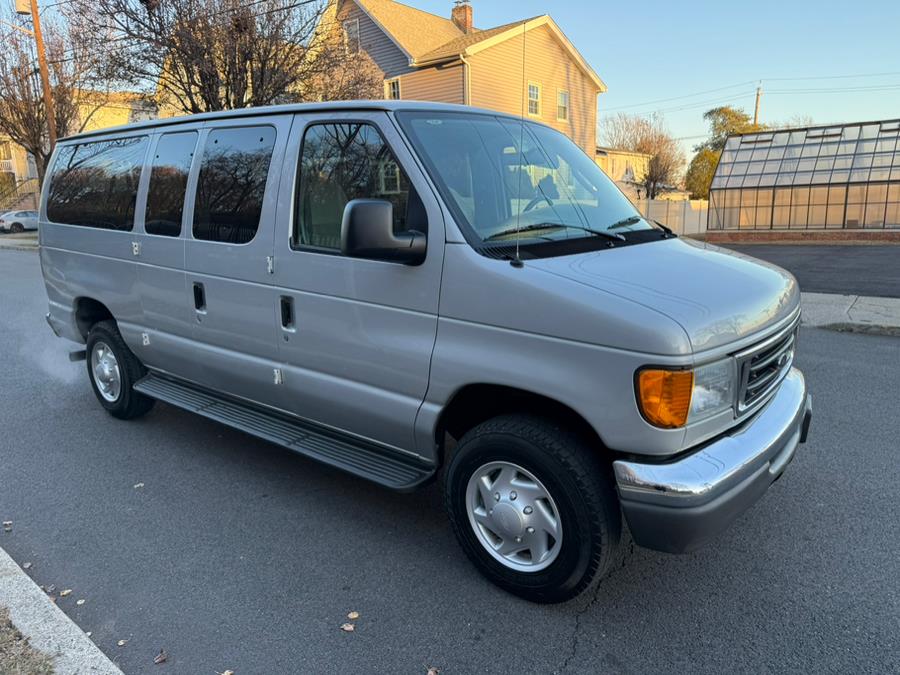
352	455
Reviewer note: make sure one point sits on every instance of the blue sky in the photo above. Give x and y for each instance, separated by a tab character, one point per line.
651	50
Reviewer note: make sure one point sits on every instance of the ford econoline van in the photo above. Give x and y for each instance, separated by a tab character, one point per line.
411	292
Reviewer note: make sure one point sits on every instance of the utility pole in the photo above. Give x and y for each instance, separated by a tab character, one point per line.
755	110
42	63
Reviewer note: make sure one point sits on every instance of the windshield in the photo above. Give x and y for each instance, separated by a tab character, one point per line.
510	181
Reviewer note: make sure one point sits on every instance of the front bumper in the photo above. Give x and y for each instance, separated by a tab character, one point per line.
680	505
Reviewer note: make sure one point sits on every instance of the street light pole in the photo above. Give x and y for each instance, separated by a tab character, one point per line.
45	74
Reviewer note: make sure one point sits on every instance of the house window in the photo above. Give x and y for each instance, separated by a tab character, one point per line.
351	35
562	106
534	99
392	90
390	178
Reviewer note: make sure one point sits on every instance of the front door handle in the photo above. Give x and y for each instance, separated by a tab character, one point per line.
287	312
199	297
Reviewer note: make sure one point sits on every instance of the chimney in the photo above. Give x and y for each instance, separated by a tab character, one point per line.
462	15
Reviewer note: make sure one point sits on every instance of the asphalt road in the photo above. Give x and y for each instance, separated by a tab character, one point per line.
237	555
824	268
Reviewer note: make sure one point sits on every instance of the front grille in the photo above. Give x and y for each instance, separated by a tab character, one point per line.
764	366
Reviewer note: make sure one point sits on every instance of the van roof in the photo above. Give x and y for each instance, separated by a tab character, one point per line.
336	106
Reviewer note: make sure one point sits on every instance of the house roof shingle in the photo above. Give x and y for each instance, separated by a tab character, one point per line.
466	40
417	32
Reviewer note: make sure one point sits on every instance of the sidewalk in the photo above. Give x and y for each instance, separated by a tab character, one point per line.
857	313
46	626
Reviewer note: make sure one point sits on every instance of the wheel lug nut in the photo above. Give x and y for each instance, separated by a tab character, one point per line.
518	540
496	496
528	510
513	495
529	530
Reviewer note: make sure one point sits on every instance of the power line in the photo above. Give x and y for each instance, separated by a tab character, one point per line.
676	98
830	77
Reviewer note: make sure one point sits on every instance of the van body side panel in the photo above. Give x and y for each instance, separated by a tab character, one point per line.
234	333
89	262
518	328
359	355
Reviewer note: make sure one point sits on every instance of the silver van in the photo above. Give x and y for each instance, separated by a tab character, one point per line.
410	292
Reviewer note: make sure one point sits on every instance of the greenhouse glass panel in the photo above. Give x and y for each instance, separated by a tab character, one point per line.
817	177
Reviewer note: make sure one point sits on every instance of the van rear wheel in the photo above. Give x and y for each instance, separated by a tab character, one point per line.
534	507
113	369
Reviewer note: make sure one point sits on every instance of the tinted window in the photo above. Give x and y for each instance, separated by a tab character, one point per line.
232	183
341	162
95	184
168	183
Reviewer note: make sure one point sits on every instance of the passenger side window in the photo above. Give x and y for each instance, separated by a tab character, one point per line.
232	183
342	162
168	183
95	184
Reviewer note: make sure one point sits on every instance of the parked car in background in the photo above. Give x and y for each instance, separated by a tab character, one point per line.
412	292
18	221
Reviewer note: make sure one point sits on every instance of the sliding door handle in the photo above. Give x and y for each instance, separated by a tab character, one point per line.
199	297
287	312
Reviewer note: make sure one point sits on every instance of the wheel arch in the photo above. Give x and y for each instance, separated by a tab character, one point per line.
473	404
89	311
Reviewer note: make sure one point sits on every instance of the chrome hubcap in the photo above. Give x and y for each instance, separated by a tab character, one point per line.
106	372
513	516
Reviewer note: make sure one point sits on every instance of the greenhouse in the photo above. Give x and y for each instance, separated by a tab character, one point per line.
834	177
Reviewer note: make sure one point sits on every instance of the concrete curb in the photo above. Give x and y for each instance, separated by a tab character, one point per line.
855	313
19	242
47	627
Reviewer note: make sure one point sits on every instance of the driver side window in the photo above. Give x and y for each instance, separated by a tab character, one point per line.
342	162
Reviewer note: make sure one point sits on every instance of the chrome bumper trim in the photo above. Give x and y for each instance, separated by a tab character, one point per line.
766	440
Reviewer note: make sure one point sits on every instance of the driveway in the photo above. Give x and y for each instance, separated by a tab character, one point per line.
824	268
230	553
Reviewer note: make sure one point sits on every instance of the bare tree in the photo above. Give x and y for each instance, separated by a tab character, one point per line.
647	135
76	89
202	55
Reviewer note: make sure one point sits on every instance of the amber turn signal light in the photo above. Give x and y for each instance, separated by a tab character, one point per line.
664	396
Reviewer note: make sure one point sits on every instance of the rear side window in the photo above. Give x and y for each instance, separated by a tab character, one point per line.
95	184
342	162
232	183
168	183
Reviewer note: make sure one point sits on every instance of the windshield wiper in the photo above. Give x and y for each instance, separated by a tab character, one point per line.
665	229
625	222
555	226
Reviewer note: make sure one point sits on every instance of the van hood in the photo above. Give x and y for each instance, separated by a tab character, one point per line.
716	295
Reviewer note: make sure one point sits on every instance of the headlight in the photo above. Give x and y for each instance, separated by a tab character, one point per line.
672	398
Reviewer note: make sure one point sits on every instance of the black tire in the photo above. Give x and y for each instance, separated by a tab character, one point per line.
579	482
16	228
129	404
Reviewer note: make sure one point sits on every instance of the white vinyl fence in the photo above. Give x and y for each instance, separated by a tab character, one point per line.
684	217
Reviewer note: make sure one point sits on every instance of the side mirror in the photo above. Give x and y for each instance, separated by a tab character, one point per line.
367	231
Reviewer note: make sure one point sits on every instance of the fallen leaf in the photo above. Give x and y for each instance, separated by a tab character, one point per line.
433	671
353	616
79	602
7	526
65	592
122	643
161	657
88	633
50	588
26	566
138	485
348	627
227	672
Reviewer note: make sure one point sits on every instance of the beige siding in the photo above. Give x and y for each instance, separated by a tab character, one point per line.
442	83
383	51
498	83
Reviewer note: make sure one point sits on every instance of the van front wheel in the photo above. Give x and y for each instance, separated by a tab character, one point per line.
534	507
113	369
